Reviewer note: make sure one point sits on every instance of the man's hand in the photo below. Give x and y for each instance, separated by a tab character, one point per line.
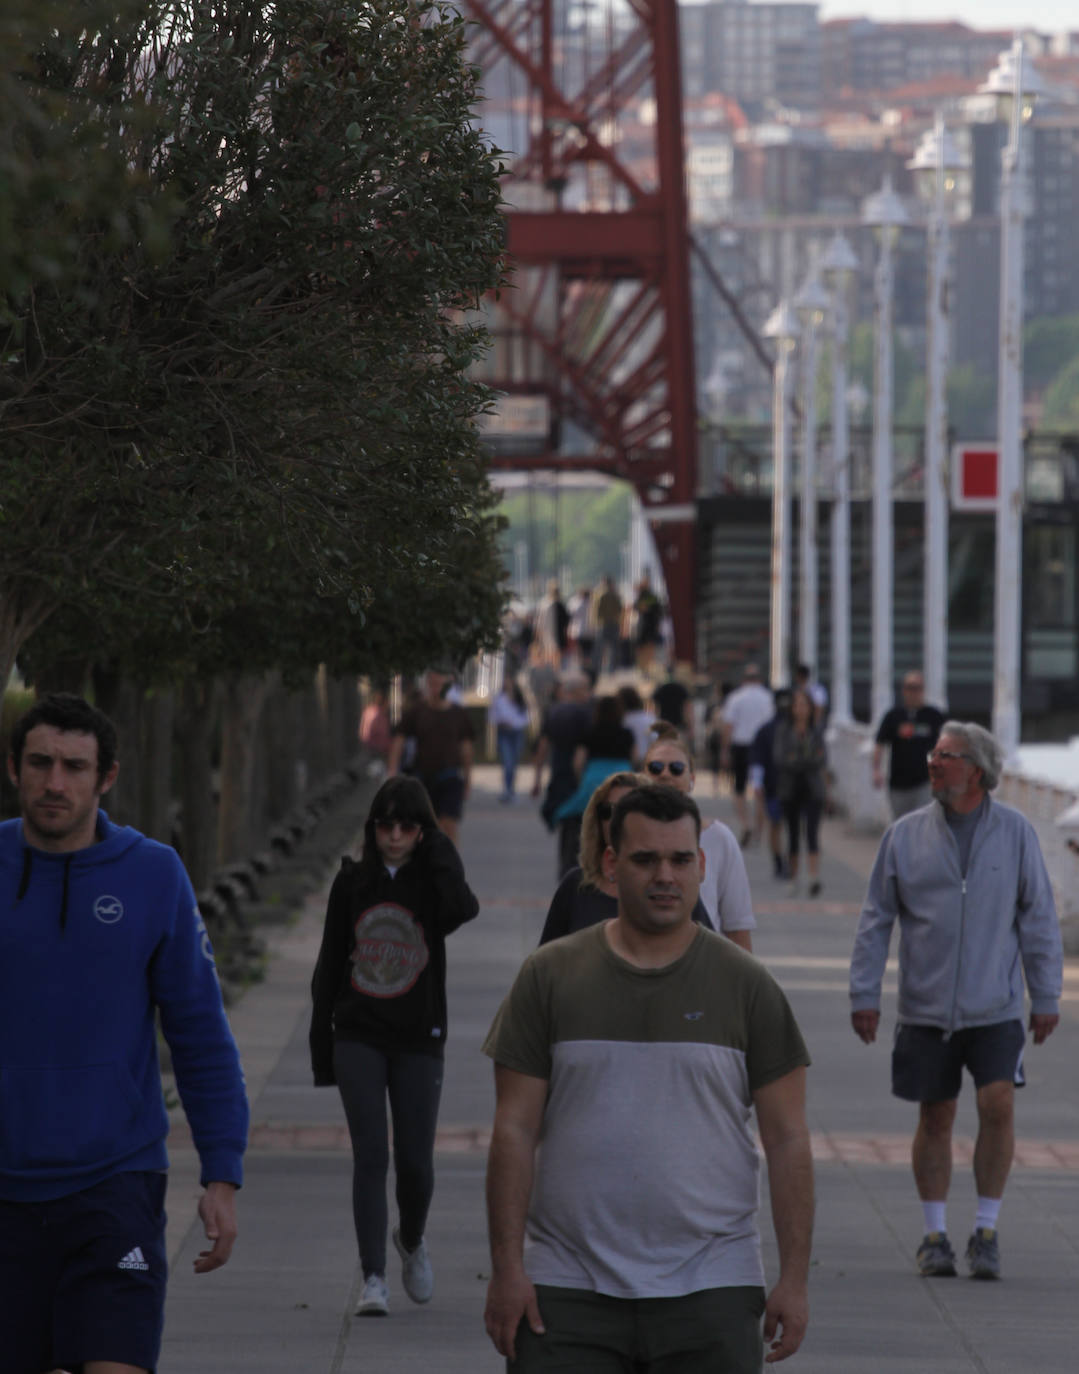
787	1311
1042	1026
509	1298
865	1025
878	777
217	1208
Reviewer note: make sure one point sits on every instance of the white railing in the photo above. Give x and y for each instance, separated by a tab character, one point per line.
1052	809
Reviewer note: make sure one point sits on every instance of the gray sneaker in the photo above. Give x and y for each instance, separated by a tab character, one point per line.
375	1298
935	1257
983	1254
417	1276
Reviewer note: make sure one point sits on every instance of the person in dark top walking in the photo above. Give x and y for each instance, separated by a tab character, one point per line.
764	779
378	1022
670	699
564	727
909	731
801	757
444	737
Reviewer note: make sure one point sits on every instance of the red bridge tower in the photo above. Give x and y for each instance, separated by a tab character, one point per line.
594	335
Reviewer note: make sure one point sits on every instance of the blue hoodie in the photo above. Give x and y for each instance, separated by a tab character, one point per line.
92	942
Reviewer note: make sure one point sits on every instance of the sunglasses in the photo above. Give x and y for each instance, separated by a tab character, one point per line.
388	827
944	755
675	767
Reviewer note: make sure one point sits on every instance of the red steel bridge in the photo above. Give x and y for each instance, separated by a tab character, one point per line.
593	337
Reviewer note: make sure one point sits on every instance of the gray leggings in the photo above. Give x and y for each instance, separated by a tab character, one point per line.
414	1083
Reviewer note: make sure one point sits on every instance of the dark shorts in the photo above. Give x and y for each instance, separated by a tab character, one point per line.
83	1277
928	1068
715	1331
773	809
740	767
447	793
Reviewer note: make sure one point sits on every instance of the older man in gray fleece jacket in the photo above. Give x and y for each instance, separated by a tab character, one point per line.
966	880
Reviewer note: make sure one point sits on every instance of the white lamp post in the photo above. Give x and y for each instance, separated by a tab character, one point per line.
884	211
936	166
838	266
782	326
812	303
1015	83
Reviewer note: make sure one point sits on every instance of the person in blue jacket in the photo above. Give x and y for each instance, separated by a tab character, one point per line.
99	933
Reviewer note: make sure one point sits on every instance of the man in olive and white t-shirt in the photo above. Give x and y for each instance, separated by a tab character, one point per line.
622	1178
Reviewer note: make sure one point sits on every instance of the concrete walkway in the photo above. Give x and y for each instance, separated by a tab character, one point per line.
283	1305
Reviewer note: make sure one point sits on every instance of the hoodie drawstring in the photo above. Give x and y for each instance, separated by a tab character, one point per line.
24	881
63	899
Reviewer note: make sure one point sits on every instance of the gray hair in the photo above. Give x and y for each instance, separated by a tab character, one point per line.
985	753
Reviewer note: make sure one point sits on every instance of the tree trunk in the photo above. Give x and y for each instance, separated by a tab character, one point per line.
282	746
350	718
321	752
157	722
335	722
244	698
197	718
121	701
20	616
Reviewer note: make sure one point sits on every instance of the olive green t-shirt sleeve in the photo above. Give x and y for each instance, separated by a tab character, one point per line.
520	1036
775	1044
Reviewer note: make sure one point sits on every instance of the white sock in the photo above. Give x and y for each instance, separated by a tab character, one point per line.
936	1216
987	1213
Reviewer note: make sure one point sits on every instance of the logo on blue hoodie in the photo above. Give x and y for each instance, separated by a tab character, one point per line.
108	910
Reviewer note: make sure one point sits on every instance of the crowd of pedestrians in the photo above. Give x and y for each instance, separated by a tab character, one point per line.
636	1047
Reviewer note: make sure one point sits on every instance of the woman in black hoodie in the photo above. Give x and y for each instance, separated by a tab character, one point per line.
378	1025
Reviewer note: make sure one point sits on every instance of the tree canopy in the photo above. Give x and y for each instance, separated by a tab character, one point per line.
240	401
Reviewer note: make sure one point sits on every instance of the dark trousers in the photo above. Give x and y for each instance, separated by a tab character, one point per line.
715	1331
414	1084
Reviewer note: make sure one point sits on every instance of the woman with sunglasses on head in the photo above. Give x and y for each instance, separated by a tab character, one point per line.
584	896
378	1026
725	886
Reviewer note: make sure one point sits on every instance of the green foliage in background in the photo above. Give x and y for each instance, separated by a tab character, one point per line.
234	405
583	529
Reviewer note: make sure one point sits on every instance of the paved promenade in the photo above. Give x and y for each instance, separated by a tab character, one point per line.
283	1304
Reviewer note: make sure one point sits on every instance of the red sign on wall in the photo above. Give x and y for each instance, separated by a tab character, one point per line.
974	476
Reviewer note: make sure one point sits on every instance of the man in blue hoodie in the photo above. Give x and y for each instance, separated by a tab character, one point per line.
99	932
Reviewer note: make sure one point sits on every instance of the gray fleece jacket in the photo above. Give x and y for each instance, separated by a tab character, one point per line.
961	940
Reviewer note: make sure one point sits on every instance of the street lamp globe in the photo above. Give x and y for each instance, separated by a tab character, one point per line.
838	263
941	173
812	301
885	212
1015	71
782	326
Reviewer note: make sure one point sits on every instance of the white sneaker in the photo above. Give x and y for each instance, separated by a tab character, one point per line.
417	1276
794	888
375	1298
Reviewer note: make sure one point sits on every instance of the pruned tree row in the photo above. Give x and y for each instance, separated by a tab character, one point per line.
239	245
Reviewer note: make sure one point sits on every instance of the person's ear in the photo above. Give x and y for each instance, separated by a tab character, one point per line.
108	780
609	858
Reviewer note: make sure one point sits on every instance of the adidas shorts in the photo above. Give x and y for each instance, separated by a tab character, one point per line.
82	1277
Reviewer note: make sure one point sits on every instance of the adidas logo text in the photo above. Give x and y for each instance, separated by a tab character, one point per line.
134	1259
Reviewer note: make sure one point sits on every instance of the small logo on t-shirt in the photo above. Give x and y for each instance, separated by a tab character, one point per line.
108	910
693	1015
134	1259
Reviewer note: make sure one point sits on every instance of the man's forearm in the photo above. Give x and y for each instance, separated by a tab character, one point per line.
510	1166
790	1187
